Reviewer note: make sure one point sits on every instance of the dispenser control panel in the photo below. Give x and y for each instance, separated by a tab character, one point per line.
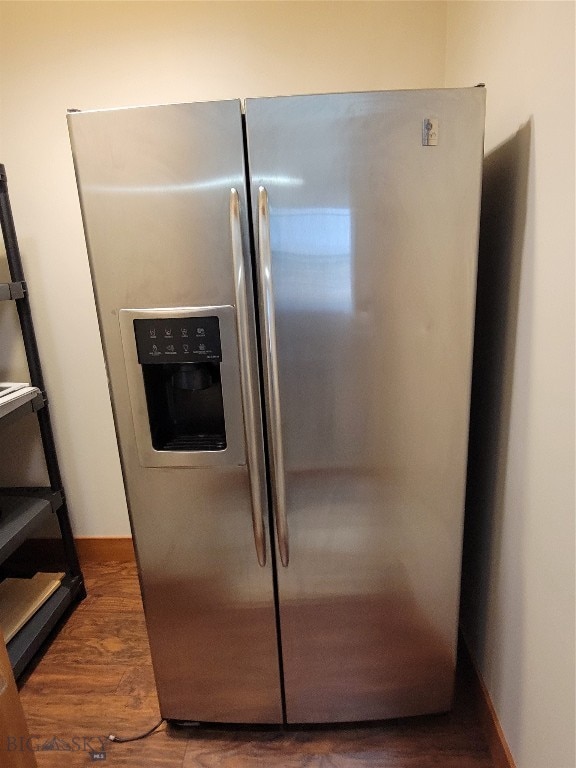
178	340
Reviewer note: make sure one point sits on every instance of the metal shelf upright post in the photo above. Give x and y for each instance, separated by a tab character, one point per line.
24	509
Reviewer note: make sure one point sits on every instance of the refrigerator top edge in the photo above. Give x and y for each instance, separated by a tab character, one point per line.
245	100
73	111
481	88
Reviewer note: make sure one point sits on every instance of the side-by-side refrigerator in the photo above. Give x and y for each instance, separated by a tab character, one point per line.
285	292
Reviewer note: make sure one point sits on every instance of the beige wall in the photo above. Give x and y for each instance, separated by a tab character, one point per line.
518	599
59	55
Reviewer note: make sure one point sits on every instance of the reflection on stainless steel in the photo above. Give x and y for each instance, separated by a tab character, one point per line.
271	369
185	187
366	284
299	236
248	382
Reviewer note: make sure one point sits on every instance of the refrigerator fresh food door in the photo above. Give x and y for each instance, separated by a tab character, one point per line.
367	226
164	205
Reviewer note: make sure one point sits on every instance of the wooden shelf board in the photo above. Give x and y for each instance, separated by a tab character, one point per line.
28	641
21	598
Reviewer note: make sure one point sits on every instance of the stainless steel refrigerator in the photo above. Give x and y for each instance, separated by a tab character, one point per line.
285	291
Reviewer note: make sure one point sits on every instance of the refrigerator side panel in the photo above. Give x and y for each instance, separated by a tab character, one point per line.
370	203
155	187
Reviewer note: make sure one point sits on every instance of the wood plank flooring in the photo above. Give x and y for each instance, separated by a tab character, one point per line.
96	678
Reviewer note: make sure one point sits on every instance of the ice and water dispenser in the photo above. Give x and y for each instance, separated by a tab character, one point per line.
180	361
182	368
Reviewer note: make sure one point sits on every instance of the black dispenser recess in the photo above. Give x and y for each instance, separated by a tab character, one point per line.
180	359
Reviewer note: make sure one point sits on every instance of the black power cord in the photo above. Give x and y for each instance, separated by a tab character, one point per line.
124	739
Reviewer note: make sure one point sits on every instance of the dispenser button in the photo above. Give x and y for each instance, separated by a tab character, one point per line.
172	340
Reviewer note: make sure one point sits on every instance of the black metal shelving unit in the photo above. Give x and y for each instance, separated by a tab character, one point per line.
23	511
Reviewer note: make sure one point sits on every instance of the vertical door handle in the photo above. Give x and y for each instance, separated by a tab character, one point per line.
248	383
271	380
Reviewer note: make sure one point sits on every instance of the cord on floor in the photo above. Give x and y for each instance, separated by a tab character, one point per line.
124	739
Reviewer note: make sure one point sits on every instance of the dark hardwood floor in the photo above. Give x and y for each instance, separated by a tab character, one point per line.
96	678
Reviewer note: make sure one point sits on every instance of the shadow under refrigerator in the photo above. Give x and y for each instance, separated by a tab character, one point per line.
285	293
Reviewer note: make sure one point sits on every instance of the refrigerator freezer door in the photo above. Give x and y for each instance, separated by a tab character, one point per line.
373	230
155	186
